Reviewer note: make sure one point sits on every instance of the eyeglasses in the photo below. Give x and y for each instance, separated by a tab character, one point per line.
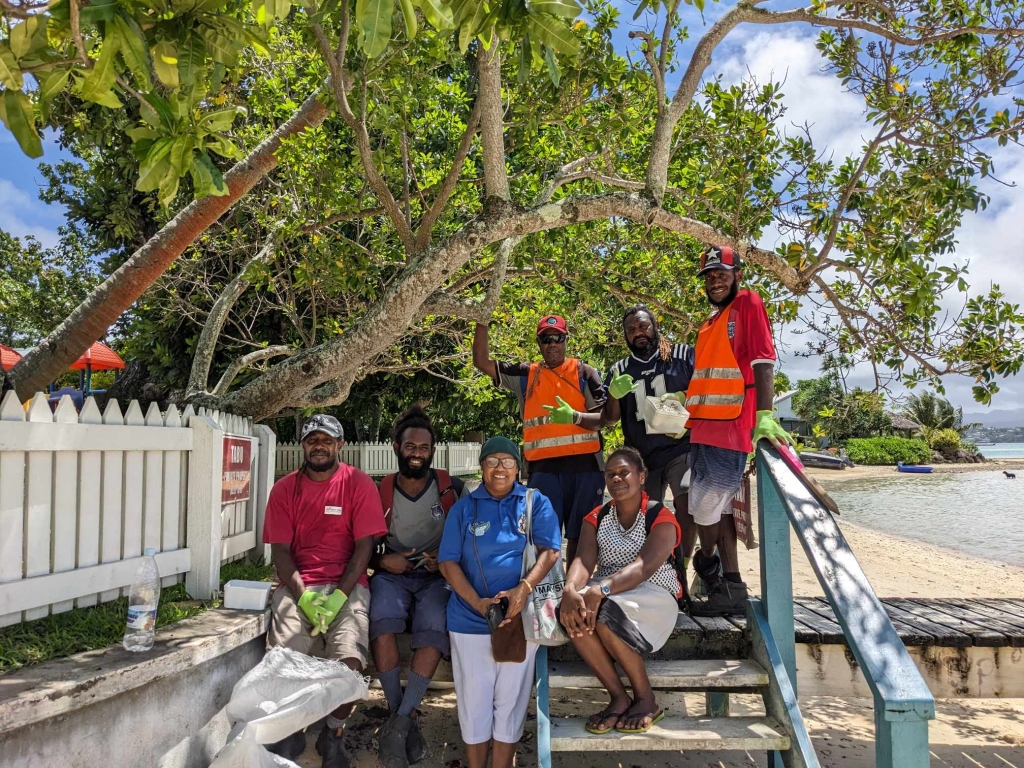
552	338
491	462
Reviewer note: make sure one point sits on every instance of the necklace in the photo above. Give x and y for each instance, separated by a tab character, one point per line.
625	531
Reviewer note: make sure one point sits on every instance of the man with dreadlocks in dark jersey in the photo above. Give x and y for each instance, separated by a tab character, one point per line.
654	367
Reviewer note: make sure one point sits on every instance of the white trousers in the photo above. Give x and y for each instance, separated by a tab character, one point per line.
492	697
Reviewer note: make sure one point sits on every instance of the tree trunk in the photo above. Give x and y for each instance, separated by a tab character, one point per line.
91	319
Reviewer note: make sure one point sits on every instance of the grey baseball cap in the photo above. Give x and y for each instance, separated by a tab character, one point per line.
325	423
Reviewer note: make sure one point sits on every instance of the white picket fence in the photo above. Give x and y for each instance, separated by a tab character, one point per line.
82	494
378	459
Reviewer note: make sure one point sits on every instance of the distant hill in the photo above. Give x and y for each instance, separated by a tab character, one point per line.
1006	418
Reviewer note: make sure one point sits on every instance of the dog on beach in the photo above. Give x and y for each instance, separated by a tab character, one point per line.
1009	475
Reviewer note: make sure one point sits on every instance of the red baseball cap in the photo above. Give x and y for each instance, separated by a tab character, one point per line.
719	257
552	323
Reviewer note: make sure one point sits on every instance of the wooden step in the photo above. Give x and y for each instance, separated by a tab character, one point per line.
689	675
673	733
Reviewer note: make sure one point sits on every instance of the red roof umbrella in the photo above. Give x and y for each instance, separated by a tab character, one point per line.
98	357
8	357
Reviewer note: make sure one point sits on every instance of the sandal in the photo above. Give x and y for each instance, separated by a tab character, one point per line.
605	715
656	717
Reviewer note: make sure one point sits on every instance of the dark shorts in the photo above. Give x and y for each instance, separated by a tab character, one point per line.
715	478
669	476
574	495
415	601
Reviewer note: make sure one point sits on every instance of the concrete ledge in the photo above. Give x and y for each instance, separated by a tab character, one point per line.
40	693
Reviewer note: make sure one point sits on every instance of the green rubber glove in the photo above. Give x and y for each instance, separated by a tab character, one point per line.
562	414
334	603
620	386
767	427
311	603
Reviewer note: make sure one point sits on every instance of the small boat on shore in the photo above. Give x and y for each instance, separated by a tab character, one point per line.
823	460
920	469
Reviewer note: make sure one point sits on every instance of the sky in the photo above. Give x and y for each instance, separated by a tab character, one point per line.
989	240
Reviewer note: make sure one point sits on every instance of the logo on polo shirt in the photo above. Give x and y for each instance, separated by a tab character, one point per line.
479	529
332	510
436	510
522	523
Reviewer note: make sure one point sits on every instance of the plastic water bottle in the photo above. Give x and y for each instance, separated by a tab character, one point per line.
143	599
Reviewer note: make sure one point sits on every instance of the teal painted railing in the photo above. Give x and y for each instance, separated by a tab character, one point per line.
903	703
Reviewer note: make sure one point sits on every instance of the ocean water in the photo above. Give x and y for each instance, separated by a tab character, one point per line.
979	513
1002	451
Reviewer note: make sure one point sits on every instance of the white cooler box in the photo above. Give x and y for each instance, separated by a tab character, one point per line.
249	595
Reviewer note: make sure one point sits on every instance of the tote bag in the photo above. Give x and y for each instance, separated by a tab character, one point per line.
540	614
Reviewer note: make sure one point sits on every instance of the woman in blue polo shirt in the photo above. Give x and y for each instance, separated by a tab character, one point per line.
493	696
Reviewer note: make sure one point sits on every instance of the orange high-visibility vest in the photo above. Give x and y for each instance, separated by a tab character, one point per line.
541	438
716	389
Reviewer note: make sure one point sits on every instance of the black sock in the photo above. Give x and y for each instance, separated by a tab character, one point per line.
735	578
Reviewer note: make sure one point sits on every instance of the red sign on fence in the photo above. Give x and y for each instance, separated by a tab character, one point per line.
237	473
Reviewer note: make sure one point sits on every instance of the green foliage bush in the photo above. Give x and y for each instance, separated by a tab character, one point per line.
945	440
887	450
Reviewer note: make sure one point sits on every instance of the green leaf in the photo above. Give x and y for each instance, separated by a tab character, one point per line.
97	84
51	83
553	71
133	49
20	117
469	27
168	188
192	68
181	154
566	9
374	18
29	36
141	133
439	14
10	74
554	34
220	120
157	112
223	49
640	9
462	10
409	15
165	62
215	183
99	10
156	165
223	146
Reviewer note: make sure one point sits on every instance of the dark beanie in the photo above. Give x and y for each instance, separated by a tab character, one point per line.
500	444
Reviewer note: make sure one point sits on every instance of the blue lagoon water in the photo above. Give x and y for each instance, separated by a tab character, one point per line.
979	513
1002	451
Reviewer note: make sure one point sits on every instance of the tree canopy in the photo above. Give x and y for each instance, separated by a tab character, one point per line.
327	192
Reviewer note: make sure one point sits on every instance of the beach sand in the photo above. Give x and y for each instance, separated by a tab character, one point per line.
967	733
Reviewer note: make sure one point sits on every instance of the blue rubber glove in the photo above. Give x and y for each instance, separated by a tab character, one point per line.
768	428
562	414
620	386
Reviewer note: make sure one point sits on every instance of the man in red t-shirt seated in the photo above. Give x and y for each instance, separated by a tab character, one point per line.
321	524
730	400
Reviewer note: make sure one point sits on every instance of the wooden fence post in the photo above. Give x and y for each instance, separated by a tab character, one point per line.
262	485
204	507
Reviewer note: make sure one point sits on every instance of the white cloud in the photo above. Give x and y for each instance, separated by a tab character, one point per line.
22	215
811	96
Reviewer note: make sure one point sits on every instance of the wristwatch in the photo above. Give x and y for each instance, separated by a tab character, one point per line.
605	589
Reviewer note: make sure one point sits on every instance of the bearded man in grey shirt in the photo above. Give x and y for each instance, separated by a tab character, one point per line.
407	590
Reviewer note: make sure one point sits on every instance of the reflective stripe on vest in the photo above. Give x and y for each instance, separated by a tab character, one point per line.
541	438
716	390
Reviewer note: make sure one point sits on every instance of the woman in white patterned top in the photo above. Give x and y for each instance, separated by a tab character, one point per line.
627	609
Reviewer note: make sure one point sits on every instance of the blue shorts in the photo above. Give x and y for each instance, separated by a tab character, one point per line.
414	601
574	495
716	475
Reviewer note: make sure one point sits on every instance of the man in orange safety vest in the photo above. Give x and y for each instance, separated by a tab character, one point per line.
565	461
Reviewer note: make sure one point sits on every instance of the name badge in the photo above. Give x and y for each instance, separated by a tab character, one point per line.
332	510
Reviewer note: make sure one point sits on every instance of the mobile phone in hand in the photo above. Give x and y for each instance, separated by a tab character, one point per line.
496	613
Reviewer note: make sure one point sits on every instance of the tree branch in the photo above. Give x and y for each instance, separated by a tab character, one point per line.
492	117
245	361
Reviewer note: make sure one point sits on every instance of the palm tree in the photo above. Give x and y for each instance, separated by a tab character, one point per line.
933	412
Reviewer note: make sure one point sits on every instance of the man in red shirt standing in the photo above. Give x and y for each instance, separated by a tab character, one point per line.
730	396
321	524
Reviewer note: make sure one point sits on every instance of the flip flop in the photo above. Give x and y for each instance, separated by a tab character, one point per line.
655	719
604	716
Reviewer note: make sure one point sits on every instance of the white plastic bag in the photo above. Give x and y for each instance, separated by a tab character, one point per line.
284	693
540	614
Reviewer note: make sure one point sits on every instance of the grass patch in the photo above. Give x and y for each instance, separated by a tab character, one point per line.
86	629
